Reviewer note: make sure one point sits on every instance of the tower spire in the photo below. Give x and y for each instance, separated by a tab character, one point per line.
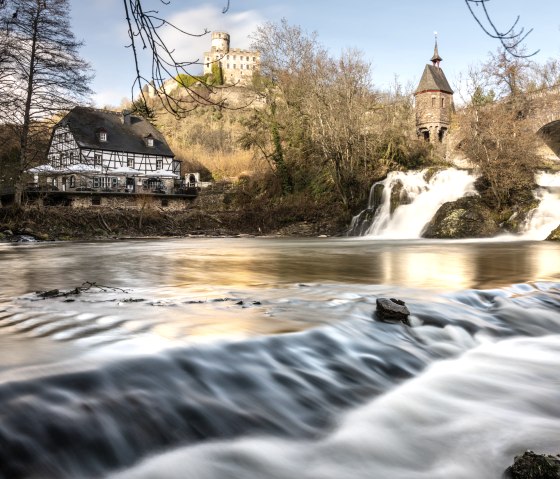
436	58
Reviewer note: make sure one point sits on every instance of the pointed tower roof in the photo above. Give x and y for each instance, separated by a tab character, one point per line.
436	58
433	78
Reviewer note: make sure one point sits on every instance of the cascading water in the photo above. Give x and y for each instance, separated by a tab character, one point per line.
402	204
546	217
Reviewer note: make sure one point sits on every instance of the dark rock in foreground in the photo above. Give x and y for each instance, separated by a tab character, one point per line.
467	217
392	310
534	466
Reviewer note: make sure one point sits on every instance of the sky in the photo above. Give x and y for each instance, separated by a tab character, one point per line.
395	36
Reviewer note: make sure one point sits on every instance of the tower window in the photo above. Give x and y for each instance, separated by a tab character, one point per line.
433	101
443	102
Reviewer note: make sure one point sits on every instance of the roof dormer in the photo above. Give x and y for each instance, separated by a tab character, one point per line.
102	135
149	140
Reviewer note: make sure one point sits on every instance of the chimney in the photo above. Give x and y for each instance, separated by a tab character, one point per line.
126	117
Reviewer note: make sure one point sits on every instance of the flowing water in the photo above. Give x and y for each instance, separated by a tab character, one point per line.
262	358
403	204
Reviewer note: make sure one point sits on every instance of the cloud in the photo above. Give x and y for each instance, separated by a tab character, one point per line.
191	48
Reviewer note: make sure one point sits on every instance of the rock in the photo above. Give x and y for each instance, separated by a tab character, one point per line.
554	235
467	217
534	466
49	294
399	196
392	310
8	232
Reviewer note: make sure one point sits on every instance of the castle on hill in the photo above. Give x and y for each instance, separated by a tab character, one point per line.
237	64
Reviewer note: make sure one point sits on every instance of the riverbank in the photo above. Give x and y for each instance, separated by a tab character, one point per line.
207	216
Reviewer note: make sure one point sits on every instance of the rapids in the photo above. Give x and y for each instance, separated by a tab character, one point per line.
409	200
238	358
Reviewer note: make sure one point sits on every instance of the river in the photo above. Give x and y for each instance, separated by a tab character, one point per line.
261	358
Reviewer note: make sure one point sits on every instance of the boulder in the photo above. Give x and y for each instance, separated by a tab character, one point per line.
467	217
534	466
554	235
392	310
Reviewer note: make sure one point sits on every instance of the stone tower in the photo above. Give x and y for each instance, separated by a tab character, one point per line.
434	102
220	42
237	64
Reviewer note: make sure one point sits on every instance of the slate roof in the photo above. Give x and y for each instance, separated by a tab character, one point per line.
85	124
433	79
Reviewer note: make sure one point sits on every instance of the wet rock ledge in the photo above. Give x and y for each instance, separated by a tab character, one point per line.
534	466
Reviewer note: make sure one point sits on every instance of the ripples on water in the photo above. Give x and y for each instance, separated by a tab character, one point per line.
234	361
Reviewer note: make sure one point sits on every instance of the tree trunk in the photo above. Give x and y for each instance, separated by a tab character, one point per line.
25	128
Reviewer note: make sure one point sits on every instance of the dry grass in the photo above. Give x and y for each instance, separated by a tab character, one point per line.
221	164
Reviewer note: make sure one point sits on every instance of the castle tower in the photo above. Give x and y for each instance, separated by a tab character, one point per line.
237	65
220	42
434	102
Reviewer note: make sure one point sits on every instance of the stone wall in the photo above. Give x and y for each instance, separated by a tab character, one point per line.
107	200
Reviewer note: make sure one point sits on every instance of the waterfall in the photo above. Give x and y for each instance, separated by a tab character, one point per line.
401	205
546	217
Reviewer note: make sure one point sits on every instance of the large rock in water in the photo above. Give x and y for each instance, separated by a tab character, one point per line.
554	235
392	310
534	466
467	217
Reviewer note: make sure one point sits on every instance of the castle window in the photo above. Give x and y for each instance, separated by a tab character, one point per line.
234	66
235	57
228	57
228	65
208	65
443	102
433	101
254	59
247	58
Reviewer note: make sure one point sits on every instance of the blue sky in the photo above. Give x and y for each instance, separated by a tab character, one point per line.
396	36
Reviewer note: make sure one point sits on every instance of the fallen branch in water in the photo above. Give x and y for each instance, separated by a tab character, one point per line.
56	293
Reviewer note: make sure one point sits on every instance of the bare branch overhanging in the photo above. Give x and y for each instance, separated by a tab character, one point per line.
511	39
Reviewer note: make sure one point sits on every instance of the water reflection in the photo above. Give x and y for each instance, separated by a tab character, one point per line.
202	265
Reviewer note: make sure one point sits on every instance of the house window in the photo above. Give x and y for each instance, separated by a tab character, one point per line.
97	159
72	181
130	162
102	136
150	142
159	164
96	182
71	154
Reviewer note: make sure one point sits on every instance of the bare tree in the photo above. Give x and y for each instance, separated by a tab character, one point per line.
43	75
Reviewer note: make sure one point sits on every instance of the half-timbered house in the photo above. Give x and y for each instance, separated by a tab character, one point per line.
108	155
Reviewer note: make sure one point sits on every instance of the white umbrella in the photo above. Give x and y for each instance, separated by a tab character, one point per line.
46	169
124	170
83	168
161	174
